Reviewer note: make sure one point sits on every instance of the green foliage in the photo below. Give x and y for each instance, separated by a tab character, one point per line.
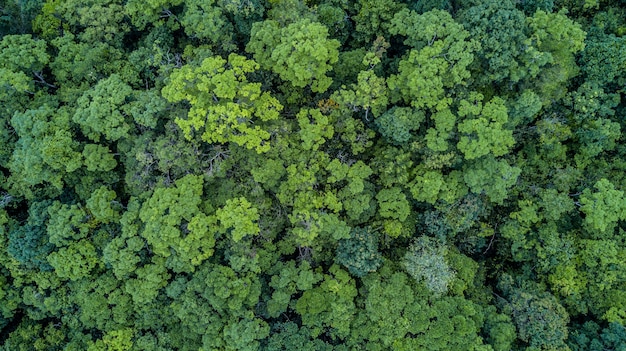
314	128
432	66
397	316
67	223
288	336
29	243
484	134
425	261
99	21
224	105
23	53
79	66
500	28
359	253
393	204
101	110
16	16
396	124
369	93
144	288
604	207
98	158
143	13
102	206
46	149
329	307
501	329
300	53
430	186
205	20
604	61
312	175
540	320
74	261
176	229
374	17
240	216
591	337
557	38
491	177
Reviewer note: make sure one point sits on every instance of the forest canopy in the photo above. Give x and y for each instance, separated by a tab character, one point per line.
312	175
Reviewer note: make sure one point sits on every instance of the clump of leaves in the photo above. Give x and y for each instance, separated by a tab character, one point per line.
359	253
425	262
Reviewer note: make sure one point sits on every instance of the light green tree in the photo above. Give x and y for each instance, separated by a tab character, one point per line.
442	51
174	226
483	128
604	207
300	53
225	107
103	111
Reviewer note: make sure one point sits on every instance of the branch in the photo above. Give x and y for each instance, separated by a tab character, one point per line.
41	80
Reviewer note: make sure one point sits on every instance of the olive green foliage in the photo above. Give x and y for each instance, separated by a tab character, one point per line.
312	175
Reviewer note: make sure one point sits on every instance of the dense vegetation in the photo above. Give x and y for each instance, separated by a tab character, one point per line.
312	175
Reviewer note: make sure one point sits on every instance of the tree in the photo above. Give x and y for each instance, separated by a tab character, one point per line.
98	158
442	51
174	226
145	287
17	17
299	53
75	260
603	60
540	320
78	66
152	160
425	261
29	243
228	298
68	223
558	38
224	105
369	94
359	253
287	281
592	337
604	207
491	177
485	134
206	20
288	336
373	18
388	296
102	205
316	131
22	53
101	21
238	217
397	315
329	307
46	150
500	28
431	185
143	13
397	123
102	111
